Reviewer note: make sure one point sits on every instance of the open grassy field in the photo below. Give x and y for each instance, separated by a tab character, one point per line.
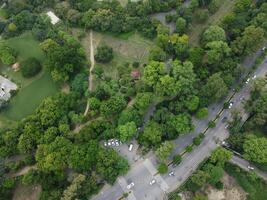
256	189
128	47
33	90
29	97
197	29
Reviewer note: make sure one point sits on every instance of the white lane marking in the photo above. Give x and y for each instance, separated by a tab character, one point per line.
122	182
150	167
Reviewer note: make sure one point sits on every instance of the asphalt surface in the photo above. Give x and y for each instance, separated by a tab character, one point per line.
144	169
242	163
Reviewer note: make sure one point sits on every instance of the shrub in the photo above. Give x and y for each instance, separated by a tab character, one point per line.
197	141
30	67
136	64
202	15
219	185
177	159
7	54
215	5
211	124
202	113
189	148
163	168
104	53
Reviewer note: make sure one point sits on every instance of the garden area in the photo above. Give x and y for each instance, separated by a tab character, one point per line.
31	90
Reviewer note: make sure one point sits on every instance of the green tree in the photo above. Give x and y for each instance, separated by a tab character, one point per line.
220	156
83	157
180	25
7	54
200	178
213	33
127	131
181	123
177	159
65	58
162	168
164	151
30	67
157	54
255	149
143	101
184	76
217	51
166	86
53	156
214	89
71	192
113	106
202	113
151	135
110	165
192	103
152	72
104	53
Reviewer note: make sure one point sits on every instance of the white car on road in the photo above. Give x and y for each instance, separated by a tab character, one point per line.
152	182
251	168
129	186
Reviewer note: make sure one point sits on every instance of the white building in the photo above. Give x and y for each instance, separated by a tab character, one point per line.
54	19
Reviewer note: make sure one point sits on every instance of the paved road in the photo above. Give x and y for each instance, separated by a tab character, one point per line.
242	163
144	170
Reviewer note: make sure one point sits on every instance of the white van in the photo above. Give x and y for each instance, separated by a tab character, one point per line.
130	147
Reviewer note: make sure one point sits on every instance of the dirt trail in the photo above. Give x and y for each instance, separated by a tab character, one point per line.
23	171
92	60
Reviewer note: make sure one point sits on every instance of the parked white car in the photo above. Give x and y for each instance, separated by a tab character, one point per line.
152	182
130	147
247	81
131	185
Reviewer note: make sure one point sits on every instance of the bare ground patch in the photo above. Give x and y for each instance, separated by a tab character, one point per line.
231	190
23	192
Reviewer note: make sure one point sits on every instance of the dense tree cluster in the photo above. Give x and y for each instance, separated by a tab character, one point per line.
64	57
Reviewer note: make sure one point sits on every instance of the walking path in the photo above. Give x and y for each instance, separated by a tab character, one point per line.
92	60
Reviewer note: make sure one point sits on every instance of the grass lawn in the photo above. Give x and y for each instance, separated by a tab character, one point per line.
256	189
28	98
3	14
31	90
194	35
26	46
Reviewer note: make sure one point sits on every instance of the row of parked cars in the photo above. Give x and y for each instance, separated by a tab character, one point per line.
112	142
116	143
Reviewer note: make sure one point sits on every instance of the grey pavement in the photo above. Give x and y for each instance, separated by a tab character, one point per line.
142	172
242	163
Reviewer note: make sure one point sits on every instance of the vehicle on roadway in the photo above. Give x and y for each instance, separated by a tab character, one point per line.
253	77
224	119
130	185
130	147
247	81
230	105
251	168
171	173
152	182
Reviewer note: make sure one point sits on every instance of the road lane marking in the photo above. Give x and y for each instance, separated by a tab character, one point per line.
122	182
150	167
